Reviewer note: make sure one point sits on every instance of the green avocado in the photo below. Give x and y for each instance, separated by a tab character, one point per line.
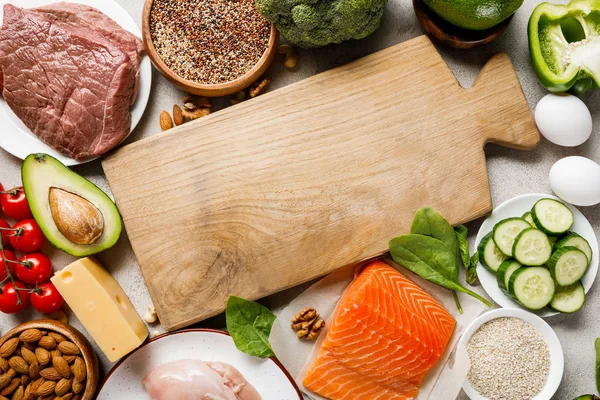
74	214
588	397
475	15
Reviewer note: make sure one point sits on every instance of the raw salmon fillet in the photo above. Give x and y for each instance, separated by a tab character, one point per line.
386	334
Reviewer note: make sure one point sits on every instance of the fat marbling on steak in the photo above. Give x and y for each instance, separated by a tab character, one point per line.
69	84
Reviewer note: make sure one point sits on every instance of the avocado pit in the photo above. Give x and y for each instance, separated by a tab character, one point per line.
75	217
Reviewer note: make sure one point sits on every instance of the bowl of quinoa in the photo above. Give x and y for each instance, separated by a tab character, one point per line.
513	354
208	47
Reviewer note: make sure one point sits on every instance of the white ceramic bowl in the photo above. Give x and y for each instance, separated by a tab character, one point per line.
516	207
557	362
124	381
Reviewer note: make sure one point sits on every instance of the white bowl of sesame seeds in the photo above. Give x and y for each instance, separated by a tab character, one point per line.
513	354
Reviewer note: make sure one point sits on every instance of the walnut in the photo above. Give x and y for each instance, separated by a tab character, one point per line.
196	113
308	324
193	102
259	87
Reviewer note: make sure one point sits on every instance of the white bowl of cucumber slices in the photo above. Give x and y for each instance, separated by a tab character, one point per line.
537	253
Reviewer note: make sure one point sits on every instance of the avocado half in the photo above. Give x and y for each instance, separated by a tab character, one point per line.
475	15
74	214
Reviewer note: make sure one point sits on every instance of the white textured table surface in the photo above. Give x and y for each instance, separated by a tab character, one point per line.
511	172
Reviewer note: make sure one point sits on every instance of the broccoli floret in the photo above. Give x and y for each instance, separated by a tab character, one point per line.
315	23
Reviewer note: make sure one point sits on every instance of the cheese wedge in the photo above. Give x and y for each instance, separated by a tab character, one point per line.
102	307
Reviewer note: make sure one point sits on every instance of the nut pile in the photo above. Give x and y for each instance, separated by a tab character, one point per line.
194	107
308	324
41	365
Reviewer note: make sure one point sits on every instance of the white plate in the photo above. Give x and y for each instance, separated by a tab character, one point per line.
124	381
557	361
17	139
516	208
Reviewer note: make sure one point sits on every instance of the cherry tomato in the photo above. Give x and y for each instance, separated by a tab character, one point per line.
27	236
5	233
46	298
9	302
12	266
15	205
38	270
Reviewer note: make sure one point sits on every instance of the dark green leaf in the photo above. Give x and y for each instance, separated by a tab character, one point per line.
462	230
472	270
249	325
463	247
431	259
428	222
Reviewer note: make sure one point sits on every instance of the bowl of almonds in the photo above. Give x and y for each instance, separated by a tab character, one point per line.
47	359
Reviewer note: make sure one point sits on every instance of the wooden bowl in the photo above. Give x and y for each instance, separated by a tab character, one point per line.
452	35
208	90
87	353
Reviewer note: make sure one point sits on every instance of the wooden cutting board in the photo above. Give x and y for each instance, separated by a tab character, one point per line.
293	184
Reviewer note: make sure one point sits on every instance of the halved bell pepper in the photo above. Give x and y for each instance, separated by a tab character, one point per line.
564	44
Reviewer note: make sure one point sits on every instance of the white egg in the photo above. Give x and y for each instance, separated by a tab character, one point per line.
563	119
576	180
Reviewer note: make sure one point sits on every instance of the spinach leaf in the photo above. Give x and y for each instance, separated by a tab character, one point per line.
249	325
432	260
463	245
597	344
428	222
472	270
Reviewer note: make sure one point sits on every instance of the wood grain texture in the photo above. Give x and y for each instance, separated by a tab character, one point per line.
291	185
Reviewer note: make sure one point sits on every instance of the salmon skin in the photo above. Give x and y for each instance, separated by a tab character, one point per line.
385	335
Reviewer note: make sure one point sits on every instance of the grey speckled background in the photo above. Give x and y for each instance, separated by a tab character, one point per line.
511	172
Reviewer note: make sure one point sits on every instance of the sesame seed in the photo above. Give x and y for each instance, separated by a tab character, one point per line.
209	41
509	360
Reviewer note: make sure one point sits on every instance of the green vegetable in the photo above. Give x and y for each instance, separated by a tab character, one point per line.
474	14
472	271
597	344
249	325
316	23
429	223
564	45
588	397
431	259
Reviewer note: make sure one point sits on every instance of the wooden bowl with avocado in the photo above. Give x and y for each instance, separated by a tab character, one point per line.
457	25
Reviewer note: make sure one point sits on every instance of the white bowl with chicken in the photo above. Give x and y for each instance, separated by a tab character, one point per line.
195	363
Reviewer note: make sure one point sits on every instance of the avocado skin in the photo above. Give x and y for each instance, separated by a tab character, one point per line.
475	15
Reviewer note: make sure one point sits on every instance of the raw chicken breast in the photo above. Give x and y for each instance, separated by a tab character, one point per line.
198	380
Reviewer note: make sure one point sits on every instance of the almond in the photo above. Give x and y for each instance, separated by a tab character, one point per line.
62	366
34	370
27	395
12	386
68	348
77	386
68	396
177	115
3	398
28	355
19	393
166	122
9	347
79	370
63	386
34	386
77	397
50	374
69	359
47	343
19	364
5	380
45	389
4	364
25	379
42	355
57	336
31	335
55	353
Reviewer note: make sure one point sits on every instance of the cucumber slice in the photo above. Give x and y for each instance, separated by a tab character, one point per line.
571	239
527	217
568	299
532	248
506	231
533	287
489	255
568	265
552	217
505	271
